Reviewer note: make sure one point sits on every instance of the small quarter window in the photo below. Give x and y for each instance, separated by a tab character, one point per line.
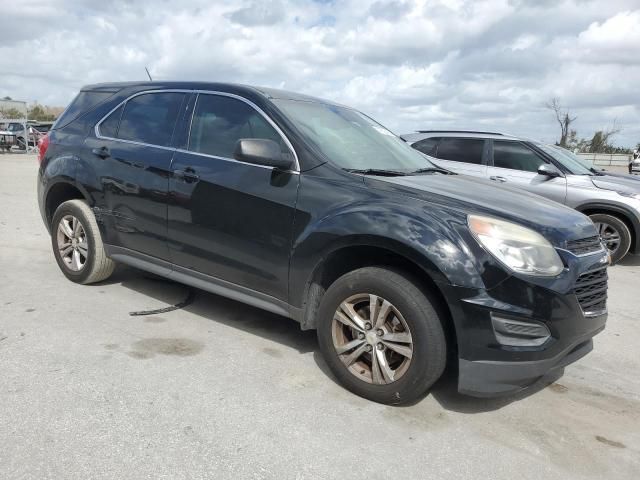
427	146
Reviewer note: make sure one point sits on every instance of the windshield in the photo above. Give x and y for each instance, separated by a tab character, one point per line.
567	158
350	139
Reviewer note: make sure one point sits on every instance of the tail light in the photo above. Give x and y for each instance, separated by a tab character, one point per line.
43	144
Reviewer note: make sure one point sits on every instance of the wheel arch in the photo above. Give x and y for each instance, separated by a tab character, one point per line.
60	192
391	254
620	212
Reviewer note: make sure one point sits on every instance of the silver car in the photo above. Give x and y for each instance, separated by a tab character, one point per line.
612	202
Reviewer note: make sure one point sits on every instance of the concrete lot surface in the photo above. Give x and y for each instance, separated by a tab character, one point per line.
221	390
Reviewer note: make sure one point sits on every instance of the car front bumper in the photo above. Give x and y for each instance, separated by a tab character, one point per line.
547	330
485	378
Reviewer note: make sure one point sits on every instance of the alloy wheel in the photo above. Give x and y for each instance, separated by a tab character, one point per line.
610	235
72	243
372	339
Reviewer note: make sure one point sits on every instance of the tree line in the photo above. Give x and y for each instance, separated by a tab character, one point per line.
37	112
600	142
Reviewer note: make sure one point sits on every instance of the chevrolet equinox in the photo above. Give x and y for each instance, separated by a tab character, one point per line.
314	211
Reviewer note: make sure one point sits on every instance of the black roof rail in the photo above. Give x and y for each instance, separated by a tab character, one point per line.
460	131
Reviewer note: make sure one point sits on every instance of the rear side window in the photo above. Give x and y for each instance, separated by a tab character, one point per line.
84	101
109	127
150	118
427	146
219	122
465	150
515	156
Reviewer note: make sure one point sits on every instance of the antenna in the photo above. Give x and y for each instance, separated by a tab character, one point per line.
148	74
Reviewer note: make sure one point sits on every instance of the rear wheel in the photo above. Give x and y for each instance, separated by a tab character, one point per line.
381	336
615	234
77	245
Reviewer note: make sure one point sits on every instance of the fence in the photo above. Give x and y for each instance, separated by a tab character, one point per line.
606	159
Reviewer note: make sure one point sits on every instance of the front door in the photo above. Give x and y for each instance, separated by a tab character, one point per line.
229	219
516	165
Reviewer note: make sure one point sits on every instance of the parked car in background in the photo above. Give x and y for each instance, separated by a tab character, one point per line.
35	130
314	211
612	203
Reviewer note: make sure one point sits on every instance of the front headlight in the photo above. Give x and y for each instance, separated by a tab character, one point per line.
520	249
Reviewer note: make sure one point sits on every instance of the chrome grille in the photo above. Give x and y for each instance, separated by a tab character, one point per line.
584	246
591	291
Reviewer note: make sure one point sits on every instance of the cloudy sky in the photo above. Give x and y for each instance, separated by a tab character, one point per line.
410	64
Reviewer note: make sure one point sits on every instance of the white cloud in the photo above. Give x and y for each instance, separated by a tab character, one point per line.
410	64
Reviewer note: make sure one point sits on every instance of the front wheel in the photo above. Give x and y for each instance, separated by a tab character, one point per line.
615	234
381	336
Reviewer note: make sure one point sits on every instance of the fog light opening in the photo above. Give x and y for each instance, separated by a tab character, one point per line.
516	333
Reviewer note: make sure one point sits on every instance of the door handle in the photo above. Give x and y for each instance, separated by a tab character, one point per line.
102	152
498	179
189	175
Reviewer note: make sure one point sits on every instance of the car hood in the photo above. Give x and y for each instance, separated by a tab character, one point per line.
617	184
555	221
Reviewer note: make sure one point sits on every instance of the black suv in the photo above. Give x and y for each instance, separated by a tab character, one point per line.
316	212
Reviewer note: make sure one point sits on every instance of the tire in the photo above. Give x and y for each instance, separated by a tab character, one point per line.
410	312
608	227
87	245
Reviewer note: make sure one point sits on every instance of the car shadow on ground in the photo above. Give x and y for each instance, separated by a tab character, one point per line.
629	261
288	333
217	309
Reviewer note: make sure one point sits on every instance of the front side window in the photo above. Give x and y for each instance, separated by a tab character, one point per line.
465	150
515	156
219	122
150	118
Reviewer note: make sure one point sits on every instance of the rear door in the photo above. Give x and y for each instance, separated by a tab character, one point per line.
131	154
229	219
463	155
516	165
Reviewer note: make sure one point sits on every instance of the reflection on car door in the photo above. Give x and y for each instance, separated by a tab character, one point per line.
516	165
463	155
228	219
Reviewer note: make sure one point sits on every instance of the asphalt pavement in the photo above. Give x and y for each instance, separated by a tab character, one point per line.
221	390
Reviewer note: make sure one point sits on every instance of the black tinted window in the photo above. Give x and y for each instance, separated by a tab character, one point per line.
219	122
516	156
150	118
428	146
467	150
83	102
109	127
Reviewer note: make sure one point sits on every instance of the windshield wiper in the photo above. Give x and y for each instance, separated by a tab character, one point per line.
433	170
376	171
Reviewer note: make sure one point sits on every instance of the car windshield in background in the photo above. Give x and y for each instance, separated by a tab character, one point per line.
352	140
568	159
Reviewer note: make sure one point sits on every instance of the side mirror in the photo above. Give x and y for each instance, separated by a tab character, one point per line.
261	152
549	171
